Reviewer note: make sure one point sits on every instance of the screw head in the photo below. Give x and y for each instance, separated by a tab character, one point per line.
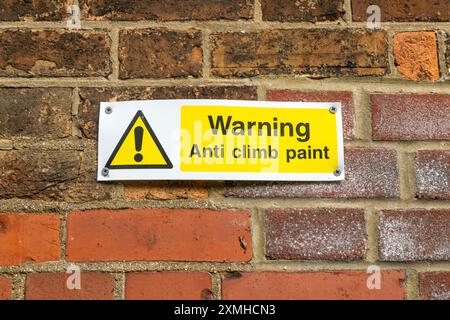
108	110
333	109
105	172
337	172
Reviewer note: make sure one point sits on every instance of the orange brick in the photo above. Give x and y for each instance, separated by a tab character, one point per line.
416	55
339	285
53	286
165	190
159	234
168	286
29	238
5	288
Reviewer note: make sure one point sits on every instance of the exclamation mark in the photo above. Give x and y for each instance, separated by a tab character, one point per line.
138	135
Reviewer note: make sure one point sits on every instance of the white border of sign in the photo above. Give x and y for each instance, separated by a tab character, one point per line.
164	116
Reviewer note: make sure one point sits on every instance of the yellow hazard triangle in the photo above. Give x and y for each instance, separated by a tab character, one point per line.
139	148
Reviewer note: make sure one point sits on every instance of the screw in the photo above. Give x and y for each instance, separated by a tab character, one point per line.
337	172
333	109
105	172
108	110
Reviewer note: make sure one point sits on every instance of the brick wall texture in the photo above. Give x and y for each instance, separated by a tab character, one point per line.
225	240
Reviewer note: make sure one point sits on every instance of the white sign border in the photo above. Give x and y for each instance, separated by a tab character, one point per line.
120	115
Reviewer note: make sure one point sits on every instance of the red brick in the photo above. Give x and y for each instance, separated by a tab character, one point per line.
416	55
433	174
313	234
37	10
168	10
370	173
302	10
29	238
404	10
410	116
312	52
52	176
329	285
159	234
90	99
53	286
434	286
413	235
5	288
344	97
54	53
168	286
160	53
35	113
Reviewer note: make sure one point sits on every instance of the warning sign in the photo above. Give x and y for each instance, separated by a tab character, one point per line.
220	140
139	148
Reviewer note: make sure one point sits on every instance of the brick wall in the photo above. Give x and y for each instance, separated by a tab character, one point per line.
215	240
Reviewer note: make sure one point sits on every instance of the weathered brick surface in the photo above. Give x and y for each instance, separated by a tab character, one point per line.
168	286
370	173
433	174
37	10
29	238
447	54
413	235
416	55
404	10
181	235
313	234
54	53
53	286
90	99
336	285
303	10
434	285
314	52
410	116
160	53
35	113
165	190
51	175
168	10
345	97
5	288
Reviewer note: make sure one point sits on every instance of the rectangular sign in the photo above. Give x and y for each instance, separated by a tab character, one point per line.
220	140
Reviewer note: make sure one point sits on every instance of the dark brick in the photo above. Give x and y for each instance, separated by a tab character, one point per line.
413	235
160	53
345	97
313	52
313	234
51	175
433	174
54	53
434	285
302	10
37	10
168	10
35	113
410	116
370	173
404	10
91	98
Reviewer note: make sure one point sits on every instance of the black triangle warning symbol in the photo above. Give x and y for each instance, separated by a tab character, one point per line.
139	148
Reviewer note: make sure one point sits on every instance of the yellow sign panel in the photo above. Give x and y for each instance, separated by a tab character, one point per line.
139	148
258	139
